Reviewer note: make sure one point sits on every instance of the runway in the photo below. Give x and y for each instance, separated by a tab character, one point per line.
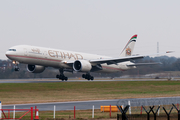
71	80
84	105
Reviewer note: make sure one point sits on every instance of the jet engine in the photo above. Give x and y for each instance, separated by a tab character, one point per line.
82	66
35	68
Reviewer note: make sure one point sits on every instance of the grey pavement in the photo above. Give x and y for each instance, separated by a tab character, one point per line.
71	80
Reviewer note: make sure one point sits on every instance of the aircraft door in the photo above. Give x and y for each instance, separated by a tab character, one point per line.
45	54
25	52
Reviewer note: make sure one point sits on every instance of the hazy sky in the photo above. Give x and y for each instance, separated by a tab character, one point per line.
93	26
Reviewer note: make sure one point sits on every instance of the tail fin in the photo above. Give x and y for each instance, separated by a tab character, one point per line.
128	50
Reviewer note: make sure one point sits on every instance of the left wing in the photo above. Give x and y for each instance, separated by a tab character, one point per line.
110	61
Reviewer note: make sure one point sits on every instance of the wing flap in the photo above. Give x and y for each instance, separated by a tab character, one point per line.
110	61
142	64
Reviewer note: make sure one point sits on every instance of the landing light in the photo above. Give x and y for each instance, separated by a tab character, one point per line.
14	62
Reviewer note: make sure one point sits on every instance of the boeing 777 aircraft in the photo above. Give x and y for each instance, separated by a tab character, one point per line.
38	58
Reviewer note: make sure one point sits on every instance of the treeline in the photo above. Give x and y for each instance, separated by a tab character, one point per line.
168	64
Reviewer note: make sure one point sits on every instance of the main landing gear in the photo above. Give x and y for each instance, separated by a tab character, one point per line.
61	76
88	77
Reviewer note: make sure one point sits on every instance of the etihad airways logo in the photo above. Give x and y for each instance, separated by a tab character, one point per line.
128	51
35	50
64	55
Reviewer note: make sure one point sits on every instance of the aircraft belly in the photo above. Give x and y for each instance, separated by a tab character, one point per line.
40	61
110	68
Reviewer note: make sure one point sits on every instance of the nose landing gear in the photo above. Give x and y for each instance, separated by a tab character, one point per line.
16	66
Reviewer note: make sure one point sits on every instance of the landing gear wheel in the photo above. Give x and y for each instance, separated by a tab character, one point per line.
61	76
16	69
88	77
66	78
92	78
83	75
57	76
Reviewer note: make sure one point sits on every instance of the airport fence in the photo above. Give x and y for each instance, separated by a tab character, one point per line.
152	112
159	109
144	117
137	113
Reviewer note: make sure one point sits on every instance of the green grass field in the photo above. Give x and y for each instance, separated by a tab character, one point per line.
18	93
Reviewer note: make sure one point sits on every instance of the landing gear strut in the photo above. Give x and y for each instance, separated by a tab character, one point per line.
61	76
88	77
16	65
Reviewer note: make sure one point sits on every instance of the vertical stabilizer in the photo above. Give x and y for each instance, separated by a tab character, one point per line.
128	50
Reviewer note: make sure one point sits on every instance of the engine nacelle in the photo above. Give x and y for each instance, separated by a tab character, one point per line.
82	65
35	68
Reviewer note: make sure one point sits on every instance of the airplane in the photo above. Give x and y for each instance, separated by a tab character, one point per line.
38	58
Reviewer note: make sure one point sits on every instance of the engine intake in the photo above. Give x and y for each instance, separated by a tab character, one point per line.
35	68
82	65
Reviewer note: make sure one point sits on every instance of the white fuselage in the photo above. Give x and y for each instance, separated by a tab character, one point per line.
56	58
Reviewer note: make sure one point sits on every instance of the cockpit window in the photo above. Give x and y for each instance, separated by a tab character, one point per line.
12	49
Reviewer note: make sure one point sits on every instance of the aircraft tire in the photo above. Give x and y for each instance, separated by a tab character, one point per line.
57	76
16	69
83	76
88	77
60	77
66	78
92	78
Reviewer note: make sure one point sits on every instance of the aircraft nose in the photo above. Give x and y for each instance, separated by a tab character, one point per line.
7	53
10	52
